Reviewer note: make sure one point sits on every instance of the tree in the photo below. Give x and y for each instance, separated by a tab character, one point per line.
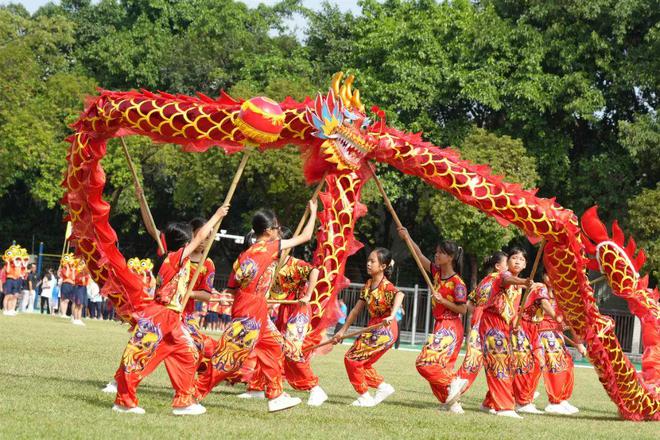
480	235
645	227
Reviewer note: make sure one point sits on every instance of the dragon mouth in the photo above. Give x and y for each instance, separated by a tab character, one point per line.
347	149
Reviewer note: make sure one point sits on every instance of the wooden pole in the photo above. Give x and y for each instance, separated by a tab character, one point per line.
408	241
207	248
346	336
597	280
535	266
142	200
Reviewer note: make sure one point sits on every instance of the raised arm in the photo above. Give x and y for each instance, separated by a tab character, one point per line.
307	232
204	231
405	236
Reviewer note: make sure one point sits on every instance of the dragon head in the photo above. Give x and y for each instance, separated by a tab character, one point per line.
68	260
146	265
339	120
134	264
14	251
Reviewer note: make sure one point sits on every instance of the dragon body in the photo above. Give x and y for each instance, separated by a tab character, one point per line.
337	140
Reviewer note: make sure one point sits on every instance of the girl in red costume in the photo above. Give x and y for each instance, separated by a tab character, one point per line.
558	363
436	361
296	280
527	354
474	357
250	328
160	334
495	330
382	299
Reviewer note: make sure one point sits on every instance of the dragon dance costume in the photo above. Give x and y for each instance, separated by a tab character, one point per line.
205	345
160	335
372	345
474	357
558	375
436	361
495	330
526	349
250	328
293	323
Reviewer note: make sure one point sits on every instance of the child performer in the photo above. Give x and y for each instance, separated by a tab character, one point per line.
250	328
201	292
296	280
526	351
382	299
14	279
67	276
160	334
474	357
558	363
79	296
495	330
436	361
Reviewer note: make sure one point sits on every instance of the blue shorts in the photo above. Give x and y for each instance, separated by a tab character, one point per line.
79	295
211	317
67	291
224	318
13	287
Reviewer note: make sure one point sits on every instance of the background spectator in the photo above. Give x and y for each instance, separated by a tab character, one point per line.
95	302
30	286
47	284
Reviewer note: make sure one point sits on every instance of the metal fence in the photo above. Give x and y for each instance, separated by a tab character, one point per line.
624	328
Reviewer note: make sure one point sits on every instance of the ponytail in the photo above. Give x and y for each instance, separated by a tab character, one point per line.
455	251
385	257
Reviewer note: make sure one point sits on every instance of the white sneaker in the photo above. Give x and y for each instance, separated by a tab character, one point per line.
455	389
484	408
456	408
570	408
365	400
8	313
530	408
191	410
316	396
110	388
536	395
556	408
127	410
383	391
283	401
509	413
252	394
77	322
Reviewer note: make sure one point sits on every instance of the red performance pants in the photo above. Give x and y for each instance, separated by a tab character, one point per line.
474	357
365	351
243	336
527	361
159	335
558	369
495	337
436	361
293	324
205	344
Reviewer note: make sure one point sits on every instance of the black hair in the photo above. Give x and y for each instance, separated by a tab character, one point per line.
517	250
455	251
197	223
385	257
494	259
177	235
286	233
262	220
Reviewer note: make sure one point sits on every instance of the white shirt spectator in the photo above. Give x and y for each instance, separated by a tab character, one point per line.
93	292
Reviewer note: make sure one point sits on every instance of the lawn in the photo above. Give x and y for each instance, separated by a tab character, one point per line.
51	374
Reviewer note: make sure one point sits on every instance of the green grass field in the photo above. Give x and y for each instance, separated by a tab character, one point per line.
51	374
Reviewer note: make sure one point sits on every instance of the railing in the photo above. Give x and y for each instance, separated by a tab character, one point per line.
418	321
